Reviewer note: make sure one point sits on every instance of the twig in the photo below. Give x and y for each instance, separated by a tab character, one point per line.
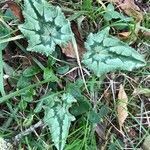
2	91
27	131
79	63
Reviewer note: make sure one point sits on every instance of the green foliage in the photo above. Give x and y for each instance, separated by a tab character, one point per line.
83	105
58	118
106	53
45	26
87	5
4	34
62	70
31	71
49	74
115	144
112	14
97	117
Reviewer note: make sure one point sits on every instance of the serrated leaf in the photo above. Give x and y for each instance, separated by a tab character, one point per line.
45	26
59	119
106	53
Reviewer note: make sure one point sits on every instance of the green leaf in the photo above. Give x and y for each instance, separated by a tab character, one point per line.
97	117
28	120
4	34
112	14
104	110
31	71
87	5
58	119
45	26
106	53
49	74
22	105
27	95
94	117
82	106
62	70
23	82
39	107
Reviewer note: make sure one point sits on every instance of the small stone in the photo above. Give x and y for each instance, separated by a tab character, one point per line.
4	145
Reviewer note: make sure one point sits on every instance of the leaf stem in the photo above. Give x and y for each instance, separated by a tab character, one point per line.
1	75
11	39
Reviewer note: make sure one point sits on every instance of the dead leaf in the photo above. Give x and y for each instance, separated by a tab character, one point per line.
69	50
122	107
100	129
124	35
146	34
16	10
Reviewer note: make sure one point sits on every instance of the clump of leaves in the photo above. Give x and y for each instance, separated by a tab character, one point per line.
45	26
106	53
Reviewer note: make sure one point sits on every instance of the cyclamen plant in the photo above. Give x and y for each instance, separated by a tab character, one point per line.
45	27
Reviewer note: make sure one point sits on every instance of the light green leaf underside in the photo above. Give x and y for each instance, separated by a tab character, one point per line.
45	26
106	53
58	118
4	34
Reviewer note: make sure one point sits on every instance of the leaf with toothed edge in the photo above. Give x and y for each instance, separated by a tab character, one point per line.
45	26
58	118
106	53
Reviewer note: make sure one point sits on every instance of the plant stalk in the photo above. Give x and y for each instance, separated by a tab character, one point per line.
1	75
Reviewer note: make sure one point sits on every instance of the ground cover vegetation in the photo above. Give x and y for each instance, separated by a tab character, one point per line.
74	74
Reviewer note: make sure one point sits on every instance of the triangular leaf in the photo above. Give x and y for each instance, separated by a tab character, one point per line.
58	119
106	53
